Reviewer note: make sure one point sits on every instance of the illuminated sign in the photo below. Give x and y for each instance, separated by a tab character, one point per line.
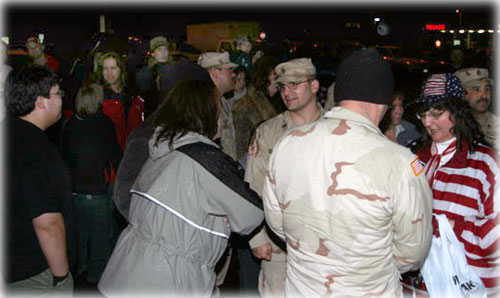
435	27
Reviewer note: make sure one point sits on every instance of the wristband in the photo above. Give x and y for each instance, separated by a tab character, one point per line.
56	280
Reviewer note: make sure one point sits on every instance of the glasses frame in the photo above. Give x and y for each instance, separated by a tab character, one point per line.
292	86
433	116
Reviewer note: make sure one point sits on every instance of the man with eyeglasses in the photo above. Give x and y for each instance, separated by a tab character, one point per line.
352	205
297	83
462	172
477	92
39	225
220	69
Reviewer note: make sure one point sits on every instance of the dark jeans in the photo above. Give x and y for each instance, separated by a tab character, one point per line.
97	233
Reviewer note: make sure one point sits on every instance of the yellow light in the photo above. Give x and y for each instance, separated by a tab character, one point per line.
471	31
480	31
461	31
438	43
443	31
491	31
452	31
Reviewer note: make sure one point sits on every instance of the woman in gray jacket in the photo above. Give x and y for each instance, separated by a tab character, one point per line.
187	199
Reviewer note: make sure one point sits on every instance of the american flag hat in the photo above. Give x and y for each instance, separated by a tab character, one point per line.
438	87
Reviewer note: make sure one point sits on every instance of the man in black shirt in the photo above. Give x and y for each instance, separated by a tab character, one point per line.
38	187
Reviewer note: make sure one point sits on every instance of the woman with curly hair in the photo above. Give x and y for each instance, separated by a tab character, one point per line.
462	170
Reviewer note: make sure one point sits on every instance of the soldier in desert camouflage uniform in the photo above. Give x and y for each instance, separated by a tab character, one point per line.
352	206
296	80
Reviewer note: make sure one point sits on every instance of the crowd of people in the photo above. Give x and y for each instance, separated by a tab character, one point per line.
232	161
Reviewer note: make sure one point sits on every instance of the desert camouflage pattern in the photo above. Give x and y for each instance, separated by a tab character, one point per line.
273	273
353	207
490	127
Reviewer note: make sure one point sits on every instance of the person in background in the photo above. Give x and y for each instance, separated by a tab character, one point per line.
352	206
255	107
39	221
240	86
125	112
397	129
38	56
242	55
186	201
220	69
477	92
90	148
297	83
462	172
148	79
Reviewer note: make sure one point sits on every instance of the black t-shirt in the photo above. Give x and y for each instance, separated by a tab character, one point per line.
37	181
89	148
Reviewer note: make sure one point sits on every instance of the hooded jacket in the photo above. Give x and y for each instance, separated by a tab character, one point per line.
185	203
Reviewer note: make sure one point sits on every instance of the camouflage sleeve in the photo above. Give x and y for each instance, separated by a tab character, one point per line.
256	163
412	219
272	208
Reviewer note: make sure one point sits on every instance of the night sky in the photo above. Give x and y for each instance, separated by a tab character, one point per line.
69	28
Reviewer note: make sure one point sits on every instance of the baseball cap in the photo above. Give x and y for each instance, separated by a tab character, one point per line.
472	76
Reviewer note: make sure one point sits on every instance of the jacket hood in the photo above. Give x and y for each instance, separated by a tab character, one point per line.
162	148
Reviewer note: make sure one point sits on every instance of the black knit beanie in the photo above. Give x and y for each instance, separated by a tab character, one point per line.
364	76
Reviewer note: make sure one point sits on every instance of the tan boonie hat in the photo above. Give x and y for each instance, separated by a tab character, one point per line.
295	70
157	42
213	59
471	76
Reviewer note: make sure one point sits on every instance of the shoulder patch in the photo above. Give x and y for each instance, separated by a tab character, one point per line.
417	166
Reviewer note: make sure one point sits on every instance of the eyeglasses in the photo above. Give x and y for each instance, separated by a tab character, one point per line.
60	93
290	86
431	114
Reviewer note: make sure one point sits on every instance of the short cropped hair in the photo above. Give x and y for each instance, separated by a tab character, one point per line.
24	85
191	106
89	100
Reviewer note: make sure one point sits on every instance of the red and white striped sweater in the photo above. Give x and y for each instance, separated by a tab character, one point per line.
465	189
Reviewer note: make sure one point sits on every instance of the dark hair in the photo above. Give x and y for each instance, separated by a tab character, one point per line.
386	122
24	85
259	77
465	126
191	106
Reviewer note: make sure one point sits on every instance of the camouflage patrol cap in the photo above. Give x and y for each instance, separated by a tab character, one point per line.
157	42
212	59
472	76
295	70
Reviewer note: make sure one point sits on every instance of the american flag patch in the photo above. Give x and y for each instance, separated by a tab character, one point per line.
436	85
417	166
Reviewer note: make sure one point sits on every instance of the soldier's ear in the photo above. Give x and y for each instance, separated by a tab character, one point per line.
315	86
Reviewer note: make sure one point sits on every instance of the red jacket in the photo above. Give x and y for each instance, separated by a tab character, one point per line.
114	109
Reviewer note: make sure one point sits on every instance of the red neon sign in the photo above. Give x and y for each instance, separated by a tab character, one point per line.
434	27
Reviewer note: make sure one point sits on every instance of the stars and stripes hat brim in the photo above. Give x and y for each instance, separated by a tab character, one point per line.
439	87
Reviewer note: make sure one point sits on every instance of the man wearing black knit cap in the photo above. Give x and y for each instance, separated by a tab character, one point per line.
353	207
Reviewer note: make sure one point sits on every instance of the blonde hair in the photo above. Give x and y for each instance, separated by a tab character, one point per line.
89	100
